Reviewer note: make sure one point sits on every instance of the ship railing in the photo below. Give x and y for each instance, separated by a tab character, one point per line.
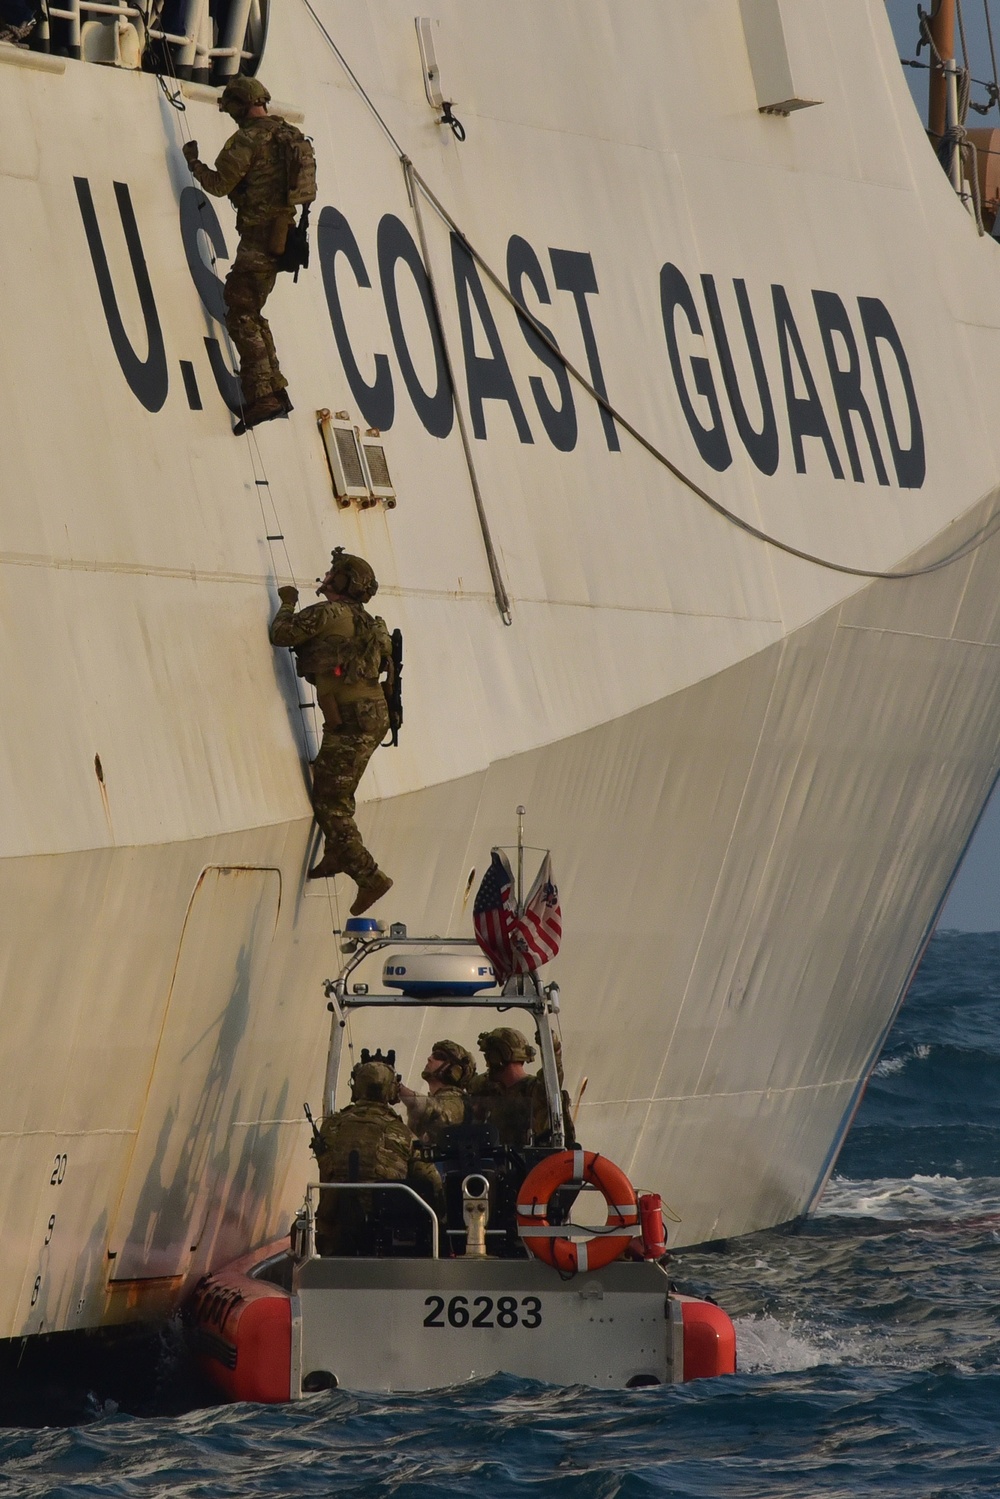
310	1243
72	12
78	6
193	48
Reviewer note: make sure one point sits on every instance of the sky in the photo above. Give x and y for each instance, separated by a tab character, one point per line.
974	903
903	16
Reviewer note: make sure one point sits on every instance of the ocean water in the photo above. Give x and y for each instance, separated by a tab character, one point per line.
868	1343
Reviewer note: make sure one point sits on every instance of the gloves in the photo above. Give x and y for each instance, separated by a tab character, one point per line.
190	149
288	595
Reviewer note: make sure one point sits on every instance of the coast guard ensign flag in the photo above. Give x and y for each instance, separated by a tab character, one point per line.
536	935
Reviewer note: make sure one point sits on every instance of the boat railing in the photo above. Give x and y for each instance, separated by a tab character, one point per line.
310	1244
521	992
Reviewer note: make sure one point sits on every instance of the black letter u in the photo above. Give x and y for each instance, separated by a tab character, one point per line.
147	377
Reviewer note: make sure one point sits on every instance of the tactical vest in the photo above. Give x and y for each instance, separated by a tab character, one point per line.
261	193
300	163
381	1139
358	659
519	1112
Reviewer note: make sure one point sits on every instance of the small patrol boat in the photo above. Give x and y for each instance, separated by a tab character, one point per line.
507	1282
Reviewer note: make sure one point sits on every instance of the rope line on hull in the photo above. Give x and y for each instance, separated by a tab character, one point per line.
499	589
971	544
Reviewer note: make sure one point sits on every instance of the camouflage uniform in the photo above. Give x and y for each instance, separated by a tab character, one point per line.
429	1117
355	717
382	1146
519	1112
251	171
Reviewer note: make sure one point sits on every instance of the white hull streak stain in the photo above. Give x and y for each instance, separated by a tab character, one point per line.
756	776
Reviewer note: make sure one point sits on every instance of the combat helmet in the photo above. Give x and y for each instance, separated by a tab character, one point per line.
504	1045
353	576
374	1082
461	1066
242	93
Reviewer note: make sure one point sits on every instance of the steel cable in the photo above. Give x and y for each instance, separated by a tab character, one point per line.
972	543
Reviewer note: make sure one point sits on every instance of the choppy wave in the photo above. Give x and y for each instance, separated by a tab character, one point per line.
913	1199
828	1431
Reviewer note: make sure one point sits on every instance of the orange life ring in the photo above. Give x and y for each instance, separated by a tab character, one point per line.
570	1255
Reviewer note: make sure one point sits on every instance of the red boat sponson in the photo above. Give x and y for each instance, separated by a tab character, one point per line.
241	1330
709	1340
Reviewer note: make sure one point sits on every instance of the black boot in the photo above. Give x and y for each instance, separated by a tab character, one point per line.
264	409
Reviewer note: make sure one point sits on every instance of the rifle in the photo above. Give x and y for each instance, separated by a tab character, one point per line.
295	256
317	1143
393	688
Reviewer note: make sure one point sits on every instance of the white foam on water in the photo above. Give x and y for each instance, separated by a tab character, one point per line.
913	1199
767	1346
889	1066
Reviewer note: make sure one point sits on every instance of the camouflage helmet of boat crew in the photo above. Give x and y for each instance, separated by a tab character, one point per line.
242	93
353	576
461	1064
374	1082
504	1045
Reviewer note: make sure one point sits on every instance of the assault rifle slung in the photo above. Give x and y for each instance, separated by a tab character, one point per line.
393	688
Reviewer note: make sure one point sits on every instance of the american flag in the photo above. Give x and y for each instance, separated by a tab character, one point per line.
536	935
493	914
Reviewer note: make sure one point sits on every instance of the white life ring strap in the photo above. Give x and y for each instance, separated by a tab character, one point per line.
580	1231
625	1210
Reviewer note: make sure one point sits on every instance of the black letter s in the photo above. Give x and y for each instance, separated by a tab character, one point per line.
198	213
559	421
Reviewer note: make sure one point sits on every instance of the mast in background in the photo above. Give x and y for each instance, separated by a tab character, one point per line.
942	29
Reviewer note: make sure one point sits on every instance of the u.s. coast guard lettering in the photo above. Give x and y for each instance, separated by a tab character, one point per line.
850	410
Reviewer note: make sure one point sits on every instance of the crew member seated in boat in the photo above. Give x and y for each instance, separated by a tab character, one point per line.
18	19
448	1073
251	170
512	1100
342	650
368	1141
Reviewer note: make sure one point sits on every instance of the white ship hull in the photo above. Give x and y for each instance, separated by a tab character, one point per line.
757	775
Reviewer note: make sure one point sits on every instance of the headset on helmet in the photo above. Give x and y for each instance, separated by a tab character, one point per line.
374	1079
505	1045
244	92
461	1066
353	576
